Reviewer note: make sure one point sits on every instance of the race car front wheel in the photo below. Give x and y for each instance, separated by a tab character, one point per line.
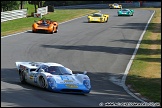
106	20
22	77
42	82
52	31
56	30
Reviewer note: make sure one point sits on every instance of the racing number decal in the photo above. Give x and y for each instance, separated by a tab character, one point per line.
35	77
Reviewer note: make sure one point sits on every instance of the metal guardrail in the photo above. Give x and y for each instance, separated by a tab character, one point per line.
130	5
43	10
16	14
151	4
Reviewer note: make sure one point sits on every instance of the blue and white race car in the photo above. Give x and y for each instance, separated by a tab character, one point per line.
54	77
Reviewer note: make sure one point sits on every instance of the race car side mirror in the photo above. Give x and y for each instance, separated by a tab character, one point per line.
85	72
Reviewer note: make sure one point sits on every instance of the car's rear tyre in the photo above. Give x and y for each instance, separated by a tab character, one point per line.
22	77
42	82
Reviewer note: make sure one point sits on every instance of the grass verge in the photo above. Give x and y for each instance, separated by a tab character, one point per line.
145	73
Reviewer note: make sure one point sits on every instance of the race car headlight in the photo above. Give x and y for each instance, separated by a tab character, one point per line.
87	84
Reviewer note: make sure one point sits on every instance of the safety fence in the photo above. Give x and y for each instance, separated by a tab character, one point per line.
15	14
22	13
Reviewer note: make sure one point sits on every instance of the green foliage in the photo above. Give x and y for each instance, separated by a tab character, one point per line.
9	5
30	7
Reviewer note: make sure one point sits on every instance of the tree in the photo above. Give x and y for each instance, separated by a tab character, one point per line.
21	4
38	4
9	5
35	4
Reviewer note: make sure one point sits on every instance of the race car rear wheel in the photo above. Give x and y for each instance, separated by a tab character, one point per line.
22	77
42	82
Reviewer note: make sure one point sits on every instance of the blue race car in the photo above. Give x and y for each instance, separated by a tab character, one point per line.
125	12
54	77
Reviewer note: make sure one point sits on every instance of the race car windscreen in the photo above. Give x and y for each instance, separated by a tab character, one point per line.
96	15
125	10
115	4
57	70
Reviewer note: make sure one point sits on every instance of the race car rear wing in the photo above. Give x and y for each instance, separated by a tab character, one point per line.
30	65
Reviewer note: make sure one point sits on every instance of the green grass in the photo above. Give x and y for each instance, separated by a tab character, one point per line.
59	15
145	73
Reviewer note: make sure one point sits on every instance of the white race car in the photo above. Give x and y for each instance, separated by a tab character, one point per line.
54	77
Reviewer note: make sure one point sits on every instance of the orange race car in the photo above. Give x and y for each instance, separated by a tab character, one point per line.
45	25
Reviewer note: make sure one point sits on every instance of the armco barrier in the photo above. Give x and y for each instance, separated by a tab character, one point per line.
16	14
151	4
43	10
131	5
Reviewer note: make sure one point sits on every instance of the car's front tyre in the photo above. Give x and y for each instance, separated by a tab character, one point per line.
33	31
107	20
42	82
56	30
22	76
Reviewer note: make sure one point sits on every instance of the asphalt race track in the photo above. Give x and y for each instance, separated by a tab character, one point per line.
101	49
